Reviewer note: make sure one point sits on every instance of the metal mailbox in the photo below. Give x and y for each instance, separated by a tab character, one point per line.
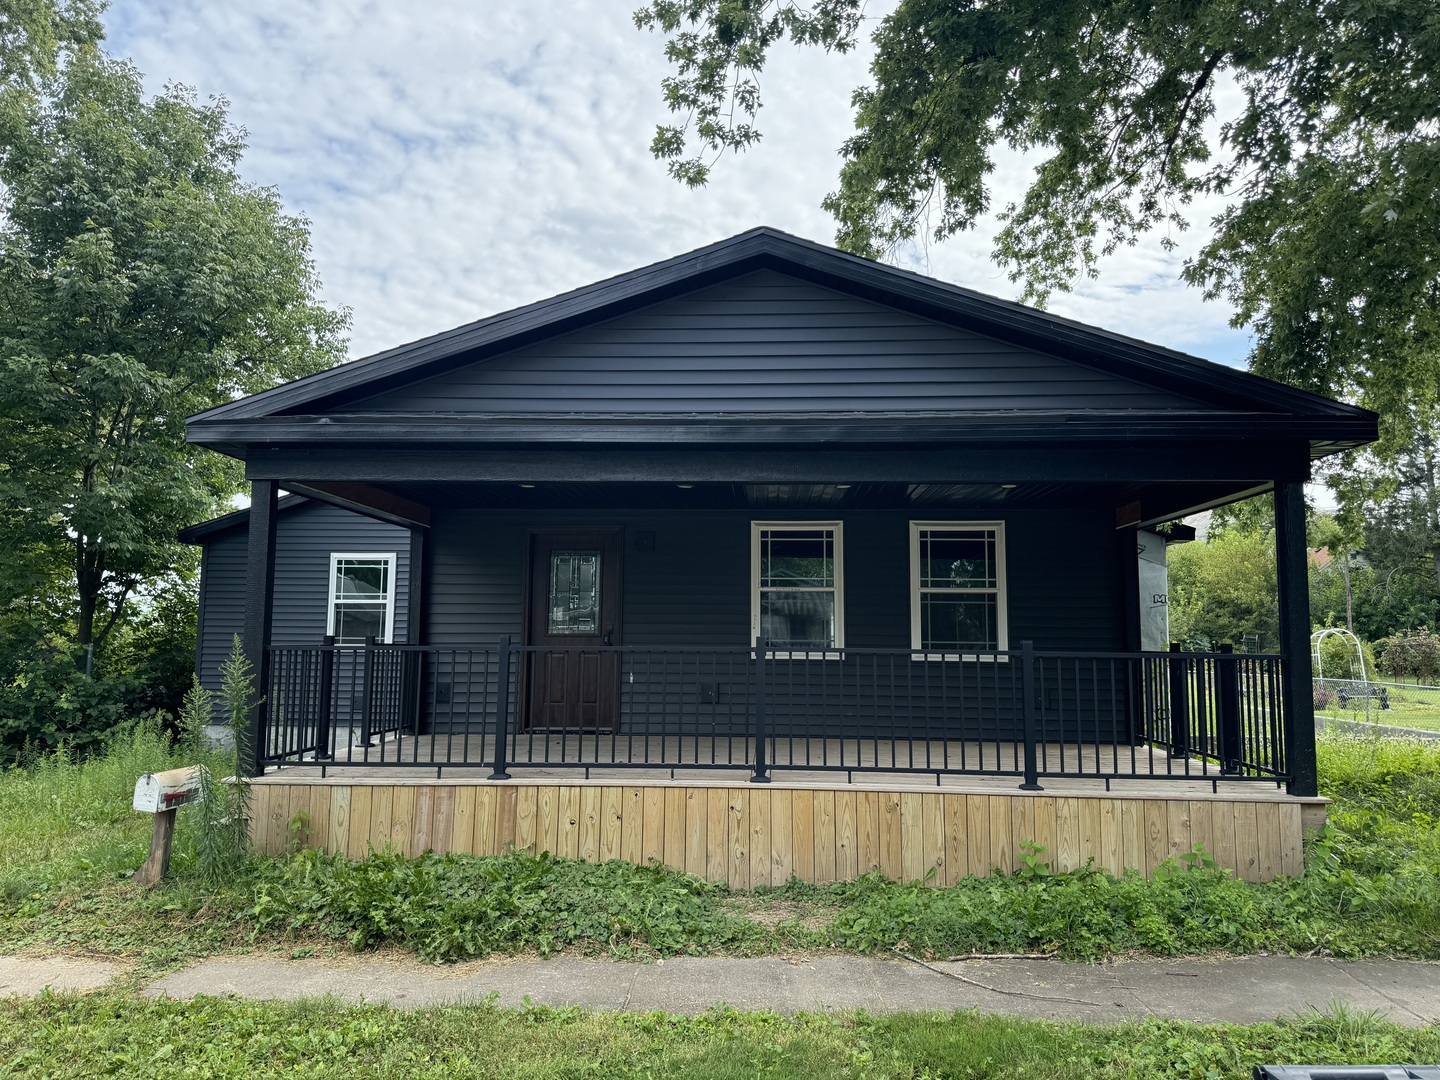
157	792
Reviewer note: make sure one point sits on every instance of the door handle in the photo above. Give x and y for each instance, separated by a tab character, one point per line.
609	630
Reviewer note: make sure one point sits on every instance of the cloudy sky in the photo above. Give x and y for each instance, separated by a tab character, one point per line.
457	159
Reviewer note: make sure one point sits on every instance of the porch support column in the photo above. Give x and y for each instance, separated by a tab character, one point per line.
415	597
259	607
1296	689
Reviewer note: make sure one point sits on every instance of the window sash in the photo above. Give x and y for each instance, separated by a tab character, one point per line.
985	580
769	541
349	606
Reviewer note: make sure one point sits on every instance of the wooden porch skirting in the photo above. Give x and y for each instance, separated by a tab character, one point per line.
756	835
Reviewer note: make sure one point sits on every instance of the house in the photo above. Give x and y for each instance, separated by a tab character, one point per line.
767	512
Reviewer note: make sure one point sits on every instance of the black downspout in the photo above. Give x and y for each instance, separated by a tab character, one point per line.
1296	688
259	609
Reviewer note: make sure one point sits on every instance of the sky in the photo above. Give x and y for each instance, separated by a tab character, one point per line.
456	159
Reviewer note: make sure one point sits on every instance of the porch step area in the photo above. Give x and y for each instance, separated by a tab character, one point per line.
757	835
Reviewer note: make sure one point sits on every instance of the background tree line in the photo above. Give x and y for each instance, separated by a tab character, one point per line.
141	280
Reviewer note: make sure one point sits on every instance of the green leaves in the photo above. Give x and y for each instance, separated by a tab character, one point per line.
143	281
717	48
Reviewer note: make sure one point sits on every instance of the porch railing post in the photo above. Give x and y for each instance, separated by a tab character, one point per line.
761	775
1227	690
367	689
502	708
1179	704
1027	691
327	698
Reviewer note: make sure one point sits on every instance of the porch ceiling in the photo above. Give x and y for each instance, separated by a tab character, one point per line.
1157	501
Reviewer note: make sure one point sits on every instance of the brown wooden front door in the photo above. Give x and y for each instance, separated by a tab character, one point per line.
573	606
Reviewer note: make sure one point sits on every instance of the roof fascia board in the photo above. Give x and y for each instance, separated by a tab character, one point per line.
1047	427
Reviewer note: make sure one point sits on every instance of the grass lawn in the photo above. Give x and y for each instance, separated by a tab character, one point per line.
69	843
1410	706
117	1035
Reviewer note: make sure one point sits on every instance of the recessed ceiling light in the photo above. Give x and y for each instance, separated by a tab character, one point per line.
527	485
842	487
685	487
1007	487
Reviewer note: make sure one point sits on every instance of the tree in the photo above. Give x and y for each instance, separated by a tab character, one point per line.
1223	589
142	281
1330	156
34	33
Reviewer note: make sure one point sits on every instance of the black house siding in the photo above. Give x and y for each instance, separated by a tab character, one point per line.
770	343
694	587
305	537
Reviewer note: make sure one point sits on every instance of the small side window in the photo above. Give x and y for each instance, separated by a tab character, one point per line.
362	597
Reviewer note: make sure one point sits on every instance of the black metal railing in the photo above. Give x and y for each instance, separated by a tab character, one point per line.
1024	713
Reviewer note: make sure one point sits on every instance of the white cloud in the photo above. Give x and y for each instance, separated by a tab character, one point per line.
458	159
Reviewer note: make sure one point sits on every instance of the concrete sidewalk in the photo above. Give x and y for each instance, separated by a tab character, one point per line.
1238	990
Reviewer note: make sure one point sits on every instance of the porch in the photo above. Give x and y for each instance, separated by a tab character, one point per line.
748	768
814	828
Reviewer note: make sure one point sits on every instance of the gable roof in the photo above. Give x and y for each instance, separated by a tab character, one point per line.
1328	424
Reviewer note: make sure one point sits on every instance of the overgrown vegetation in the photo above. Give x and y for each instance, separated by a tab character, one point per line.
452	907
1372	887
67	1036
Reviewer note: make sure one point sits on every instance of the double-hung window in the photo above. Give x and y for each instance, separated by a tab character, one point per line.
362	597
797	585
957	587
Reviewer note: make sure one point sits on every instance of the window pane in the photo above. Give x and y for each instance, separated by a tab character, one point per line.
958	622
957	559
355	622
362	579
798	619
574	592
803	558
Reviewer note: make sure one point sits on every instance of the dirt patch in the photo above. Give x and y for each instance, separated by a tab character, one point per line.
772	913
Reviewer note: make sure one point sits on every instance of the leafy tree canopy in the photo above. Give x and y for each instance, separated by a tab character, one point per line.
1318	120
34	33
142	281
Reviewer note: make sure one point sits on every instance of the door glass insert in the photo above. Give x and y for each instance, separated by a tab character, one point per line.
574	592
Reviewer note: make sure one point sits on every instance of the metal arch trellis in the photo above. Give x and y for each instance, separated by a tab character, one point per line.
1318	638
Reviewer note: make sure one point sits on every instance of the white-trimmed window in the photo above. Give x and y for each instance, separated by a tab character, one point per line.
797	573
362	597
957	587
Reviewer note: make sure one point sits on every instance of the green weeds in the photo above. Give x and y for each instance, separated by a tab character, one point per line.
451	907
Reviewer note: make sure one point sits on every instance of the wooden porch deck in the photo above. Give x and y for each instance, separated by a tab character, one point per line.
813	824
899	765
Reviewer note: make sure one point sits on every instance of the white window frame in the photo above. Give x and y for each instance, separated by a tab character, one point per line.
1000	592
388	557
837	529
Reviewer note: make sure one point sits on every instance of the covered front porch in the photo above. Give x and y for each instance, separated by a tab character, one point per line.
768	515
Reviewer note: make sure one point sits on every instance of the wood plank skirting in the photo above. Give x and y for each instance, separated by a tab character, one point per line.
752	836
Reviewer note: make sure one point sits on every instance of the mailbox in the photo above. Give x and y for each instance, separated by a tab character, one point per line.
161	794
157	792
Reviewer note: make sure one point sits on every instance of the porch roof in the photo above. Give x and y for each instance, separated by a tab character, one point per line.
1118	390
